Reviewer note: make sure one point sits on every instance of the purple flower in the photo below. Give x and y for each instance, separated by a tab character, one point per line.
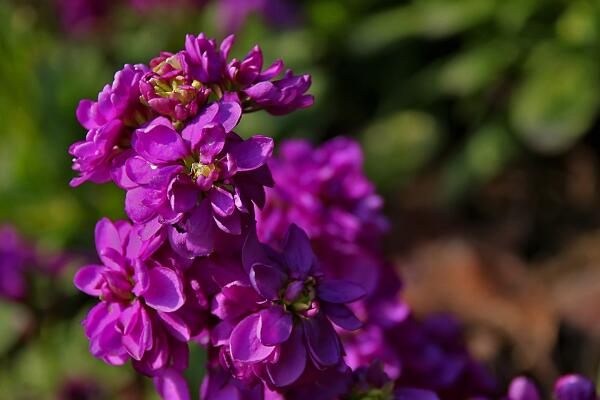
117	107
370	381
15	256
208	64
282	96
574	387
205	61
249	70
434	357
169	90
279	320
205	178
233	13
143	314
325	191
82	15
522	388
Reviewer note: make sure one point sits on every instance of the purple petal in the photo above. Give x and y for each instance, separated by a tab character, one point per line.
275	326
342	316
137	332
252	153
244	342
175	325
107	236
182	194
171	385
165	290
222	201
159	144
339	291
204	118
135	206
267	280
298	253
208	142
229	115
291	363
323	343
197	239
231	224
235	300
88	279
253	251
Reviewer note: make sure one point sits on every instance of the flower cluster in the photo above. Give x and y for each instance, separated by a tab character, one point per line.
274	265
164	133
324	191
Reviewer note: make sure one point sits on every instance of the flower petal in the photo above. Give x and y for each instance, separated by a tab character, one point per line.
252	153
275	326
107	236
208	142
175	325
171	385
88	279
267	280
165	290
298	253
291	363
244	343
323	343
222	201
339	291
159	144
342	316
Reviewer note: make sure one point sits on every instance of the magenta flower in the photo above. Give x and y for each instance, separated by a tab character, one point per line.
522	388
233	13
256	88
280	321
574	387
143	315
325	191
282	96
205	61
201	180
15	257
169	90
106	120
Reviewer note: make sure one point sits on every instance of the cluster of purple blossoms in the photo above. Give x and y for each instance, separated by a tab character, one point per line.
164	133
325	191
274	265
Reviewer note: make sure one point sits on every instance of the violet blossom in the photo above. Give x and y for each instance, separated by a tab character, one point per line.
147	311
202	180
278	323
325	191
107	121
574	387
169	90
15	258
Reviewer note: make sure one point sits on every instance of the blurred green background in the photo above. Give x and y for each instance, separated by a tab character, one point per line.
473	115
